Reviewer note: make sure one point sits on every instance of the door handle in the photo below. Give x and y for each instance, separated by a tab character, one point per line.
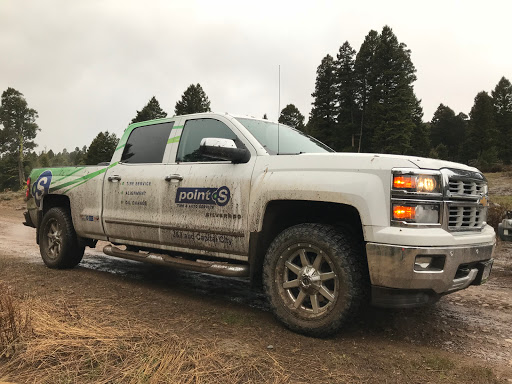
114	178
173	177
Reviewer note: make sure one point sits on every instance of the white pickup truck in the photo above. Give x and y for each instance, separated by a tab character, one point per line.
324	232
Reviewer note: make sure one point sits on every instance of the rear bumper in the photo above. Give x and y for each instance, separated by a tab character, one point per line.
417	275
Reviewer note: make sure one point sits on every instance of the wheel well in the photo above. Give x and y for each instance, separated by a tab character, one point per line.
282	214
52	201
49	202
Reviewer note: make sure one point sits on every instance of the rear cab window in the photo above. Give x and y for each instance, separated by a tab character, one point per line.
147	144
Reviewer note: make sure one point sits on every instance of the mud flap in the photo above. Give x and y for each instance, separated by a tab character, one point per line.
28	221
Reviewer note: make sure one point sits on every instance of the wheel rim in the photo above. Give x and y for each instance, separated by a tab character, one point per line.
53	239
309	284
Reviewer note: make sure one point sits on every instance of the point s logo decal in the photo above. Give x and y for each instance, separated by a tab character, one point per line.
41	186
212	196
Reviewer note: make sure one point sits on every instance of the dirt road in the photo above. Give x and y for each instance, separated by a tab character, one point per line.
465	337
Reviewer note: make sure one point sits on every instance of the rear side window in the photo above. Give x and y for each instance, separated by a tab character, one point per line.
147	144
196	130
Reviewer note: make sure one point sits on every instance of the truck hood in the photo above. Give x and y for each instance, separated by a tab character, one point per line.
363	160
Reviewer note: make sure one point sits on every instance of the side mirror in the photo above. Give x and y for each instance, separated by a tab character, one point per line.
223	149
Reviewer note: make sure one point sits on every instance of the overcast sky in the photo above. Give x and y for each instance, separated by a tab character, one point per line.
88	66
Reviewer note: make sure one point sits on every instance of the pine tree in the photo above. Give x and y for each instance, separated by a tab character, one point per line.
346	113
43	161
502	100
482	141
450	130
150	111
420	142
19	129
77	156
291	116
102	148
193	100
442	125
322	118
366	77
394	96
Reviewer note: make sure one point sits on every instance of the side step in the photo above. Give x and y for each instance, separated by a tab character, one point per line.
211	267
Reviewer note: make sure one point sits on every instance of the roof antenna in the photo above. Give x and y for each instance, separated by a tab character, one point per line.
278	108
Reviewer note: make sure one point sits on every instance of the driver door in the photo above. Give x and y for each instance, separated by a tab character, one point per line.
208	205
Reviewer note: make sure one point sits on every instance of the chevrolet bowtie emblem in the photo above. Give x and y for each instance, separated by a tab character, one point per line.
483	201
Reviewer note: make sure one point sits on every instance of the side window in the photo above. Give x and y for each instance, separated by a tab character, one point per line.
196	130
147	144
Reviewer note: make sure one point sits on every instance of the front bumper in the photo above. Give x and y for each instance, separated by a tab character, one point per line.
397	271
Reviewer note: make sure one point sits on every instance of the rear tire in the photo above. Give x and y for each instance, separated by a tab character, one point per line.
314	277
58	242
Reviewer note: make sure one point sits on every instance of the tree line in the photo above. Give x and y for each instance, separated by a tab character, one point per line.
363	101
17	155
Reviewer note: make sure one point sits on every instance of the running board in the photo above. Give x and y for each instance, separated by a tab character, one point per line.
204	266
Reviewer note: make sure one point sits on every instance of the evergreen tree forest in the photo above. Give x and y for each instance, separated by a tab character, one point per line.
363	101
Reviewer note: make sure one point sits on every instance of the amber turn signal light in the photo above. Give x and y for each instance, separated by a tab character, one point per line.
404	182
401	212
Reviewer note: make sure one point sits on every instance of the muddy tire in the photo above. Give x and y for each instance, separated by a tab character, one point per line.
314	278
58	242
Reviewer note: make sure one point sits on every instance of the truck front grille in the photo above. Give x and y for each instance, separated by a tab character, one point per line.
466	217
466	188
465	193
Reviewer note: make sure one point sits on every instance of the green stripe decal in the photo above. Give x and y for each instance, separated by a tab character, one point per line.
177	127
173	139
118	148
92	175
64	177
84	180
87	178
75	183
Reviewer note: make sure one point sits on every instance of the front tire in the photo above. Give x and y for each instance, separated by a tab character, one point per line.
58	242
314	278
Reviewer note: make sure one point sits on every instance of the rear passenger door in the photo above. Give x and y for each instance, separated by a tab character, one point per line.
133	187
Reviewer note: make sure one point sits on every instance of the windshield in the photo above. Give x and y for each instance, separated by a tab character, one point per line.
291	141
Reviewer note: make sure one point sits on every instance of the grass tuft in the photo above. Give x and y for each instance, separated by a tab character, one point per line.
14	322
71	347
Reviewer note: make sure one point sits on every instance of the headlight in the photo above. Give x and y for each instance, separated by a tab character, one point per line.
416	213
417	183
416	197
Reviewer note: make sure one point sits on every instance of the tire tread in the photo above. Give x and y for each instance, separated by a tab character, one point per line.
344	246
72	252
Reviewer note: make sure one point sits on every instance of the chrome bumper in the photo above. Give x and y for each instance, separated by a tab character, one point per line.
397	267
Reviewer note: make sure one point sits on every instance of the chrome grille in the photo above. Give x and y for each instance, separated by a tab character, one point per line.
466	217
466	209
466	188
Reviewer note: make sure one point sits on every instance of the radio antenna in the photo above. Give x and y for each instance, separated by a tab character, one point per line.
278	106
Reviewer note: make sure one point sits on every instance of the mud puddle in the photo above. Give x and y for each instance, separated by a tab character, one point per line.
237	290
